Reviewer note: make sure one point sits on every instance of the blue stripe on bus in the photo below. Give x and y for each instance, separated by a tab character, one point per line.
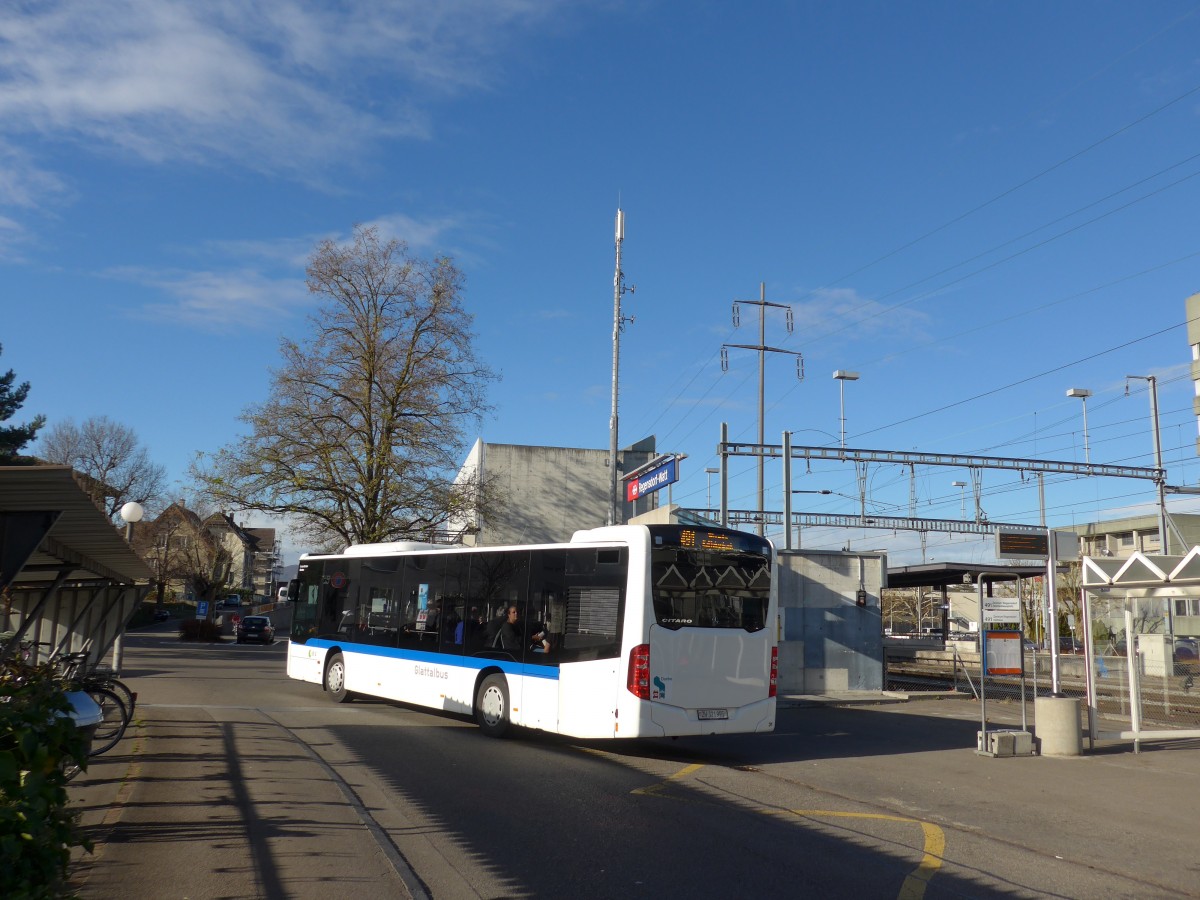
478	663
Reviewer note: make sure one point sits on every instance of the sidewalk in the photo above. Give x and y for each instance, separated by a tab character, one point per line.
174	813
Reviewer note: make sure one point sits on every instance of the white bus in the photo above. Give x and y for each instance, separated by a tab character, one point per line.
627	631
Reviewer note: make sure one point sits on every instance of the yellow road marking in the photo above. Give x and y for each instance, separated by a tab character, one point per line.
658	786
933	838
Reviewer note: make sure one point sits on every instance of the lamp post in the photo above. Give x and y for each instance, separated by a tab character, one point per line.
1083	394
842	376
131	512
962	496
1164	541
710	472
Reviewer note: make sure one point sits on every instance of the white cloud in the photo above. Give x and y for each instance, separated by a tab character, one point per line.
218	301
249	284
275	87
421	236
844	311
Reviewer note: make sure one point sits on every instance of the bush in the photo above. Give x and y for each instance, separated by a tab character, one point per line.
199	630
37	831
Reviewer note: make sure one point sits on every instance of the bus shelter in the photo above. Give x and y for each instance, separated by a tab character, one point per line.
69	581
1142	673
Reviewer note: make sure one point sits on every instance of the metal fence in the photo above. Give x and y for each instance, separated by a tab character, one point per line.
1144	689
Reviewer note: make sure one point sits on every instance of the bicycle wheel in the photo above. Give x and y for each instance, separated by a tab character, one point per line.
128	697
116	719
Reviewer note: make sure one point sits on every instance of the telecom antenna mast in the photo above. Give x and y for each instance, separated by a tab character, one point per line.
619	321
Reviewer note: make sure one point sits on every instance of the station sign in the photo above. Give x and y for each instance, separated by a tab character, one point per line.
649	482
1001	609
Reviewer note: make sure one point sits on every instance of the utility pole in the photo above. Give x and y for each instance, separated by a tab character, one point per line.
1164	541
619	320
762	349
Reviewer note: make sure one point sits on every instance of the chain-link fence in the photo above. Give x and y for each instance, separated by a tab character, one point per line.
1133	664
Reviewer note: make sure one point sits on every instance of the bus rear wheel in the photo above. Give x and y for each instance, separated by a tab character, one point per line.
491	706
335	679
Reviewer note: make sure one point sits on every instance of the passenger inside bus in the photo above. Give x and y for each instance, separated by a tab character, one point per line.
509	635
540	638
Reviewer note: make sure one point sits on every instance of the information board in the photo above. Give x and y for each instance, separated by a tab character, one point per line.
1003	652
1012	543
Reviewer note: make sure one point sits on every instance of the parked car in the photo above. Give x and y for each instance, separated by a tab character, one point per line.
161	615
233	601
255	628
1069	644
1187	655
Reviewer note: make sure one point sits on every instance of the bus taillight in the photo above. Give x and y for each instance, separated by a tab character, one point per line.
774	690
639	671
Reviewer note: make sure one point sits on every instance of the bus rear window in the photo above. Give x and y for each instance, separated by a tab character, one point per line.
699	589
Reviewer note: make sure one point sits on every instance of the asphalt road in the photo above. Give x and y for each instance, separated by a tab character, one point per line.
238	782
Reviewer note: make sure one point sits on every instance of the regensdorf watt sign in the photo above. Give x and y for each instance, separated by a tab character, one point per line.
649	482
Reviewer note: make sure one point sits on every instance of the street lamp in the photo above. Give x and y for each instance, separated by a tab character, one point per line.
131	512
710	471
1083	394
962	496
842	376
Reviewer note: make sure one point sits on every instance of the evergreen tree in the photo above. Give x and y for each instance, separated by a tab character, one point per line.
14	437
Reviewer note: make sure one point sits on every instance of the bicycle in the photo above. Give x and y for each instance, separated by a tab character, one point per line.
115	710
101	676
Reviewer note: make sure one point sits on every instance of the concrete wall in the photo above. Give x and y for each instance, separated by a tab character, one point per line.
828	642
548	493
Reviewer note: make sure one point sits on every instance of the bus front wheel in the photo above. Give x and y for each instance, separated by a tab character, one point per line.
491	705
335	679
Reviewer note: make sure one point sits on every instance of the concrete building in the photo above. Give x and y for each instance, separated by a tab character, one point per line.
545	494
1121	538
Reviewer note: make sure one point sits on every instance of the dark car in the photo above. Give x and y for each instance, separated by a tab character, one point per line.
1069	644
1187	660
255	628
161	615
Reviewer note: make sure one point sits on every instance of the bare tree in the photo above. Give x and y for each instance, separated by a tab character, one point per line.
361	435
110	454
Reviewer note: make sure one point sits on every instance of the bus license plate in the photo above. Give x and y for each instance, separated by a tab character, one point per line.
712	714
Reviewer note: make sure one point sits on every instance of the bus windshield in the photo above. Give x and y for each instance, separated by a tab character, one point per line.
710	586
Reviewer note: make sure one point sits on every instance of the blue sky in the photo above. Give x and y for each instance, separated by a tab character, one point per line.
974	205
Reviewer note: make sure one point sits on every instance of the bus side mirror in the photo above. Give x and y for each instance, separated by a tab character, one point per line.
293	590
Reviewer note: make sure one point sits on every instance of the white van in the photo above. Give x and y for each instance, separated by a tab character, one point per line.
281	597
